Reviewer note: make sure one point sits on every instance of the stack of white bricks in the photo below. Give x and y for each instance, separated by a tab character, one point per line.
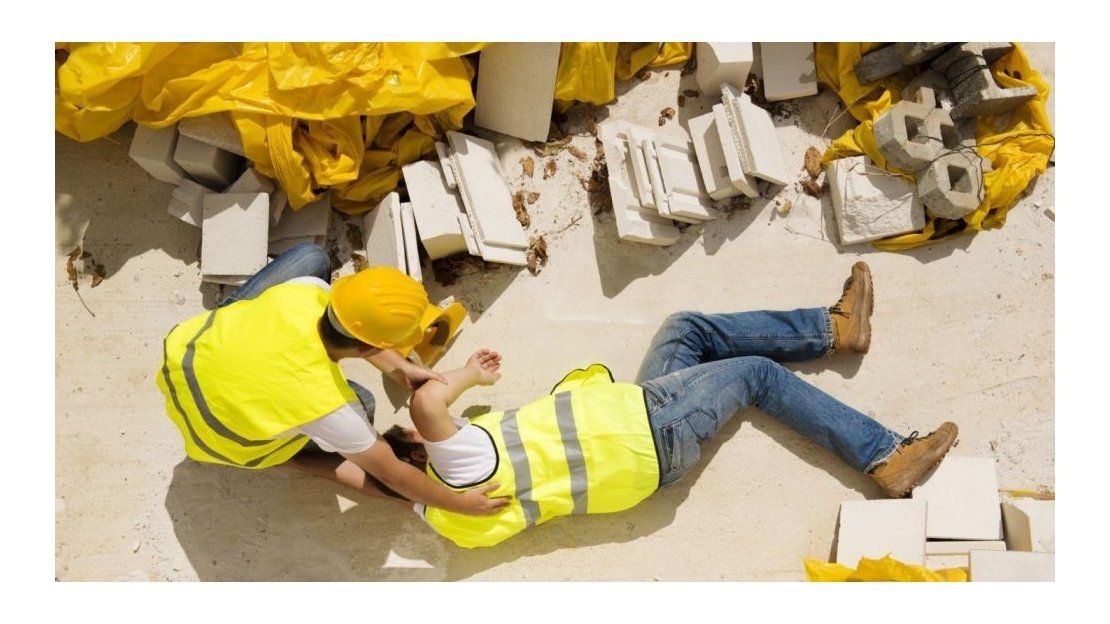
389	236
954	520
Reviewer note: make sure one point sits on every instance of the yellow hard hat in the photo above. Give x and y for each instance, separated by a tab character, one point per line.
380	306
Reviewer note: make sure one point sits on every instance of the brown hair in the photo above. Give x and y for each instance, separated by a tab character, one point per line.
399	442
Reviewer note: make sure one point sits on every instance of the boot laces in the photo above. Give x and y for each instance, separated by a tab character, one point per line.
910	439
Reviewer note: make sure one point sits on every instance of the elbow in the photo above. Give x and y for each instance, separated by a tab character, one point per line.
426	398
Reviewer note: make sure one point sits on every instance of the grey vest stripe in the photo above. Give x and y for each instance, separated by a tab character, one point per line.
254	462
177	405
198	396
576	461
510	430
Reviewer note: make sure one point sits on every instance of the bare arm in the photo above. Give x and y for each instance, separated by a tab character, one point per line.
430	403
401	370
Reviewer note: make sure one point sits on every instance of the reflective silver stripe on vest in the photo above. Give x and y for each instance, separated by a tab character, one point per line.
510	431
198	397
576	461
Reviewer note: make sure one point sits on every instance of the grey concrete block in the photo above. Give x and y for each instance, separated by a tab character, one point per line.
967	69
952	186
916	52
908	134
233	235
991	51
153	150
311	220
253	182
885	61
934	80
187	202
207	164
216	130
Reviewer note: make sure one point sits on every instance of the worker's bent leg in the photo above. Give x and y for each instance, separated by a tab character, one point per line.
690	338
366	398
304	260
688	407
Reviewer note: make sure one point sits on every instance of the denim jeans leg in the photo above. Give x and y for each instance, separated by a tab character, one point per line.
690	338
304	260
688	407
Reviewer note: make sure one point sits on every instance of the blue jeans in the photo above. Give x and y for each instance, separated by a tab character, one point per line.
703	368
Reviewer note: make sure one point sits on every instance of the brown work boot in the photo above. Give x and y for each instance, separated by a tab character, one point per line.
851	315
913	459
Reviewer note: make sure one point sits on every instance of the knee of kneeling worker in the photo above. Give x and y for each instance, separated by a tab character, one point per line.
680	319
314	260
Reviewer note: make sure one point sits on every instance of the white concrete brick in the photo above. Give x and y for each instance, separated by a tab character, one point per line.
740	179
632	223
876	528
233	235
412	251
993	566
711	157
789	70
278	247
642	183
382	235
720	63
436	209
516	88
228	280
216	129
469	235
207	164
187	202
448	173
870	203
682	183
753	132
1030	524
253	182
485	193
153	151
962	493
311	220
941	562
961	547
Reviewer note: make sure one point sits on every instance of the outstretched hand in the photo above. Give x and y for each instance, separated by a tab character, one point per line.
476	502
487	364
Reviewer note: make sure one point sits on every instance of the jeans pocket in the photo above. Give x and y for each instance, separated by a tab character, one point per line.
703	424
681	446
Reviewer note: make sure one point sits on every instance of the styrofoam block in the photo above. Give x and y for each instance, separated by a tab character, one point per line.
412	252
153	150
789	70
740	178
484	191
436	209
753	133
961	547
233	235
1030	524
632	223
311	220
876	528
187	202
216	129
382	235
685	194
870	203
278	247
711	157
993	566
723	62
941	562
516	87
469	235
962	493
444	154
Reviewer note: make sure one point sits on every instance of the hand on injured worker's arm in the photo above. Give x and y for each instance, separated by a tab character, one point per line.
404	372
430	403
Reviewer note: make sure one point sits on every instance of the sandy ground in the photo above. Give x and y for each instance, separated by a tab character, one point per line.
963	330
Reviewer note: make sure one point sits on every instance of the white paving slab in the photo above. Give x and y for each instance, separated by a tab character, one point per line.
789	70
961	547
233	235
870	203
686	195
876	528
435	208
412	250
382	235
753	132
740	178
711	157
443	152
484	191
723	62
632	223
941	562
153	150
311	220
1030	525
516	88
216	129
187	202
207	164
1010	566
469	235
962	493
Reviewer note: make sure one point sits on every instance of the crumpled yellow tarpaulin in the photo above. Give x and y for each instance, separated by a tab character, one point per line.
885	569
1017	144
344	116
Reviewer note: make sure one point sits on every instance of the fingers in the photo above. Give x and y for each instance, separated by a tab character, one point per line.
498	503
489	487
439	378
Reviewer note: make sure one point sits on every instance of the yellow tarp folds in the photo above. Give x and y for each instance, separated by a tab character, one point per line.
885	569
1017	144
344	116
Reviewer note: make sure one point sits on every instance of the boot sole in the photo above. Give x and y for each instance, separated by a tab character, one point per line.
862	338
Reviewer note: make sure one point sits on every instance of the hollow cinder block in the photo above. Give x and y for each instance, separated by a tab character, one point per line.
967	69
952	186
878	64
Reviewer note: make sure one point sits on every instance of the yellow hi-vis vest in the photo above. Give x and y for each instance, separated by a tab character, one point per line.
238	377
585	448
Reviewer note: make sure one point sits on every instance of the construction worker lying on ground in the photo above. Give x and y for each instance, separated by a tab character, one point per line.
595	446
251	382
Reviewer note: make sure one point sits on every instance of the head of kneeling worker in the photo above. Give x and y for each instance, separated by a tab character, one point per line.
375	309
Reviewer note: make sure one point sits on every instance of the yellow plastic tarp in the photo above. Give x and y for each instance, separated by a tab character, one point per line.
1017	144
588	71
885	569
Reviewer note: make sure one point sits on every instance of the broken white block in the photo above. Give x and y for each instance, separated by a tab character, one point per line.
960	547
721	62
877	528
962	493
412	252
216	129
153	150
993	566
942	562
233	235
444	154
311	220
278	247
789	70
487	200
207	164
382	235
468	234
516	88
187	202
685	194
436	209
736	174
753	132
632	223
870	203
711	157
1030	524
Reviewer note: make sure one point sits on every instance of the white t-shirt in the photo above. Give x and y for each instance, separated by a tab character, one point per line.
345	430
466	458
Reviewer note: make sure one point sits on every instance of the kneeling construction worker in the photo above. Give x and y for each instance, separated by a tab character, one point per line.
595	446
256	382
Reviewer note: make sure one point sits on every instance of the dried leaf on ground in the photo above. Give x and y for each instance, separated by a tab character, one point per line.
528	165
531	197
813	162
556	133
578	152
521	212
736	204
811	187
71	270
667	112
591	123
537	254
681	101
690	66
551	147
785	208
692	93
359	261
643	74
754	88
96	270
448	270
549	168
